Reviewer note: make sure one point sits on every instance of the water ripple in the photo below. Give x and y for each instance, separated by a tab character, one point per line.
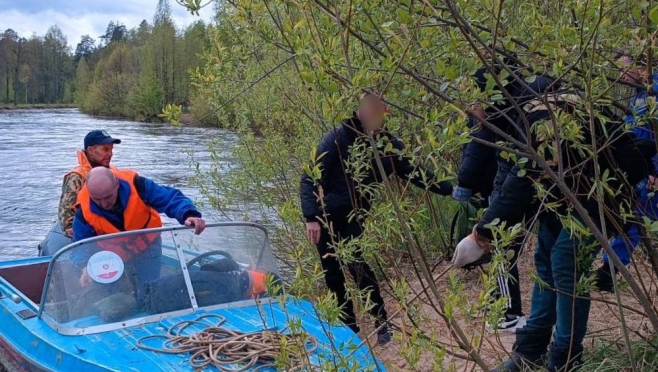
37	147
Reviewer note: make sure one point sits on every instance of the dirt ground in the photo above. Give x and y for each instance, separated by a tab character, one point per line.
604	322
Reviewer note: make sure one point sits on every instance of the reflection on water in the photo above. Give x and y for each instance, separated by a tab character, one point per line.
37	147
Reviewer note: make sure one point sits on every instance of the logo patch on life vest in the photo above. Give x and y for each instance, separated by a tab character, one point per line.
105	267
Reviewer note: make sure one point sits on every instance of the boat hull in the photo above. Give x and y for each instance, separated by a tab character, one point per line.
14	361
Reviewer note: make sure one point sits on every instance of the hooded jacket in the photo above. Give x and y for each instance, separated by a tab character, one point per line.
480	162
627	159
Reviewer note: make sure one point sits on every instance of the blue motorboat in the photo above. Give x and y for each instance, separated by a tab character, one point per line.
208	302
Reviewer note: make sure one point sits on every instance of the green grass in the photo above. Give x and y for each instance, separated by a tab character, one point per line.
613	356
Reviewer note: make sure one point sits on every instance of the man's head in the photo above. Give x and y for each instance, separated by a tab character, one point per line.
371	112
99	146
103	187
630	71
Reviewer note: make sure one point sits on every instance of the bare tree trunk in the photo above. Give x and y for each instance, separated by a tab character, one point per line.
7	84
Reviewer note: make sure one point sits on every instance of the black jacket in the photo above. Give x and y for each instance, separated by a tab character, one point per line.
342	193
628	160
479	164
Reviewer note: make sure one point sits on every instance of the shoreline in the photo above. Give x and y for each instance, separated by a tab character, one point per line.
35	106
186	119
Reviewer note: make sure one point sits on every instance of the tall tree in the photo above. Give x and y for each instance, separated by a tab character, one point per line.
59	66
85	48
164	42
8	43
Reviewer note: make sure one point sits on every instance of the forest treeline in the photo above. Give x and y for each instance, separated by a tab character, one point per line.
130	73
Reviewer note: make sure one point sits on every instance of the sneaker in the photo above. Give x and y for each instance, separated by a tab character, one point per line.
383	336
508	324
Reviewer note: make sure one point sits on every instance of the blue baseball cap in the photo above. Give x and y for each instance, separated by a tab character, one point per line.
99	137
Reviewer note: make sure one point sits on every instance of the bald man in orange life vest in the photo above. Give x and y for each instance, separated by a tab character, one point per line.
112	201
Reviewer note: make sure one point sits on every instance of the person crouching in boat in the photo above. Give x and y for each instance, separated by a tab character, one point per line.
112	201
98	146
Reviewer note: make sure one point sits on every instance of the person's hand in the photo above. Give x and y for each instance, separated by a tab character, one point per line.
477	110
85	280
313	232
652	184
198	223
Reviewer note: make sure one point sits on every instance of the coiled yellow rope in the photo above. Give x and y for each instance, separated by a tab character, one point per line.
233	351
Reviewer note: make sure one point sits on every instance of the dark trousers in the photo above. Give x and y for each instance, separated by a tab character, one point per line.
509	282
361	272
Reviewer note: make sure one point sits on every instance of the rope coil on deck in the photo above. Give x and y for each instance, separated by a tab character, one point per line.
233	351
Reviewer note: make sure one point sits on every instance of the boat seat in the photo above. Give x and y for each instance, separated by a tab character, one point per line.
27	279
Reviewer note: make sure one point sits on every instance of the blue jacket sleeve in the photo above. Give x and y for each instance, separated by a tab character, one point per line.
623	250
327	157
167	200
81	230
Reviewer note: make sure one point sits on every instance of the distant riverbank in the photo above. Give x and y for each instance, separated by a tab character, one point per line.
36	106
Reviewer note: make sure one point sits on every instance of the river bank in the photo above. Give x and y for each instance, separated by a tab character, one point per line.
35	106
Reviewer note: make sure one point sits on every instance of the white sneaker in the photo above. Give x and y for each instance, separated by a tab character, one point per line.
507	325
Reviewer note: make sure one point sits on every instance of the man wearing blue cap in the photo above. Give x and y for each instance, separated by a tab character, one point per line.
98	146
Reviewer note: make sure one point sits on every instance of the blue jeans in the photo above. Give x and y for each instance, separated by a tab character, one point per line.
555	260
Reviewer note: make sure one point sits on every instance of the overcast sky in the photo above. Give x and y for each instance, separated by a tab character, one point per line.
85	17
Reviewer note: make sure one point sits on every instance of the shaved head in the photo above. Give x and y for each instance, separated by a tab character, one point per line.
103	187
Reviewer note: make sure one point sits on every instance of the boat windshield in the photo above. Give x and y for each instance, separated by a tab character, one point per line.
136	277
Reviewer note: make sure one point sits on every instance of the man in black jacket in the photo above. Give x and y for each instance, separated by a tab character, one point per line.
562	254
483	170
333	204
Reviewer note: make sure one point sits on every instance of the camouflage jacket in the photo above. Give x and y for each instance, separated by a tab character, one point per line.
72	184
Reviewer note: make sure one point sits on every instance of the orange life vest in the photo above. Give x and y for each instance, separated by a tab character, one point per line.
84	166
256	286
136	216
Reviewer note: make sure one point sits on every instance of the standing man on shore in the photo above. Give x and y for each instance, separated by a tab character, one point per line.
331	203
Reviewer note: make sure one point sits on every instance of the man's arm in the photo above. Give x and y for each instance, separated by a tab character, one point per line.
417	175
477	159
327	157
167	200
70	188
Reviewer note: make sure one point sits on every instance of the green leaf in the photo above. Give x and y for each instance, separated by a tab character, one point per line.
307	76
653	15
333	87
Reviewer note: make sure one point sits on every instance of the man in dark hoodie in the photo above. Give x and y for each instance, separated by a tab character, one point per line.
484	171
332	204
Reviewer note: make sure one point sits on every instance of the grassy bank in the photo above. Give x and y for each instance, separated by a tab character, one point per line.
36	106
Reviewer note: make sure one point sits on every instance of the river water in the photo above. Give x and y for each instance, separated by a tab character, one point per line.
37	147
